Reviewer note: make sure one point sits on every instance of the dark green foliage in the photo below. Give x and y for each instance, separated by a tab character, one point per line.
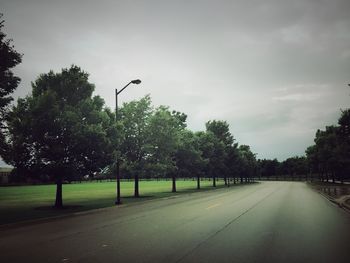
190	160
61	132
134	117
330	155
222	140
268	168
9	58
247	163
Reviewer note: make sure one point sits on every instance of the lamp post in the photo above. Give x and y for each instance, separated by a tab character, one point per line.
136	81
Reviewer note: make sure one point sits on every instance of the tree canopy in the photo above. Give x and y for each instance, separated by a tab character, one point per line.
9	58
60	131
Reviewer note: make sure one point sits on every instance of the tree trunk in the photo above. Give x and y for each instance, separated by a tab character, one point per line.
174	184
198	182
59	201
225	179
136	192
214	181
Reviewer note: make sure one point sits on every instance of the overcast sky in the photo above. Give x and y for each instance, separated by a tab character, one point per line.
276	71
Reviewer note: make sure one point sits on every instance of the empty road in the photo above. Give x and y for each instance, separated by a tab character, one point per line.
263	222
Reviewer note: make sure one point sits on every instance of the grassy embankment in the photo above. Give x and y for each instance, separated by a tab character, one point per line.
19	203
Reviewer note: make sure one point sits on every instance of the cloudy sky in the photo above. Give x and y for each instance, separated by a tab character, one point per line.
274	70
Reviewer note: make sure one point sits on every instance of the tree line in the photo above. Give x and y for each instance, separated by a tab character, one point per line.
328	159
61	132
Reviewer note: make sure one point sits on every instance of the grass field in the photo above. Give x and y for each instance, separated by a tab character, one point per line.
19	203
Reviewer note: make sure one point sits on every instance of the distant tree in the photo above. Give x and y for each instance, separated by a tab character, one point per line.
135	147
60	131
330	155
312	160
165	132
232	162
268	168
224	141
326	143
247	163
189	158
207	144
343	145
221	131
296	167
9	58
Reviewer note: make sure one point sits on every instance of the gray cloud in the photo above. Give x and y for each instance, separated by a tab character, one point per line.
275	70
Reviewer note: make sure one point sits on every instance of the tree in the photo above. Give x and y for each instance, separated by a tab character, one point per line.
9	58
312	160
224	140
343	145
165	130
60	131
232	162
206	145
268	168
189	159
247	163
330	155
135	117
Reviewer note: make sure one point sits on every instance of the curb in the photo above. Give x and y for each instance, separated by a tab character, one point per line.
344	202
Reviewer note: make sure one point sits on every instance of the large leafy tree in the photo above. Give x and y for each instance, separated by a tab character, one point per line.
268	168
232	162
207	142
247	163
343	145
135	117
60	131
9	58
189	158
223	154
165	134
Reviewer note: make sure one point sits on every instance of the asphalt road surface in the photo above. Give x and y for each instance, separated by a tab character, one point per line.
264	222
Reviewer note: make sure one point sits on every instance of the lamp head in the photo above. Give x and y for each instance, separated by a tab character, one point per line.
136	81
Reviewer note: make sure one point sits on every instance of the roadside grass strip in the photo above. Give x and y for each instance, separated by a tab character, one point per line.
20	203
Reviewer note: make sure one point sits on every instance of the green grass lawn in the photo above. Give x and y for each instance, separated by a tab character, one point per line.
19	203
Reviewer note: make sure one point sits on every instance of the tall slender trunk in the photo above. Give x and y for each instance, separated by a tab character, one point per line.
59	201
174	184
136	192
241	179
225	179
198	182
214	181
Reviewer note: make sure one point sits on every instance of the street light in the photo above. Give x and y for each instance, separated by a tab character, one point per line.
136	81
